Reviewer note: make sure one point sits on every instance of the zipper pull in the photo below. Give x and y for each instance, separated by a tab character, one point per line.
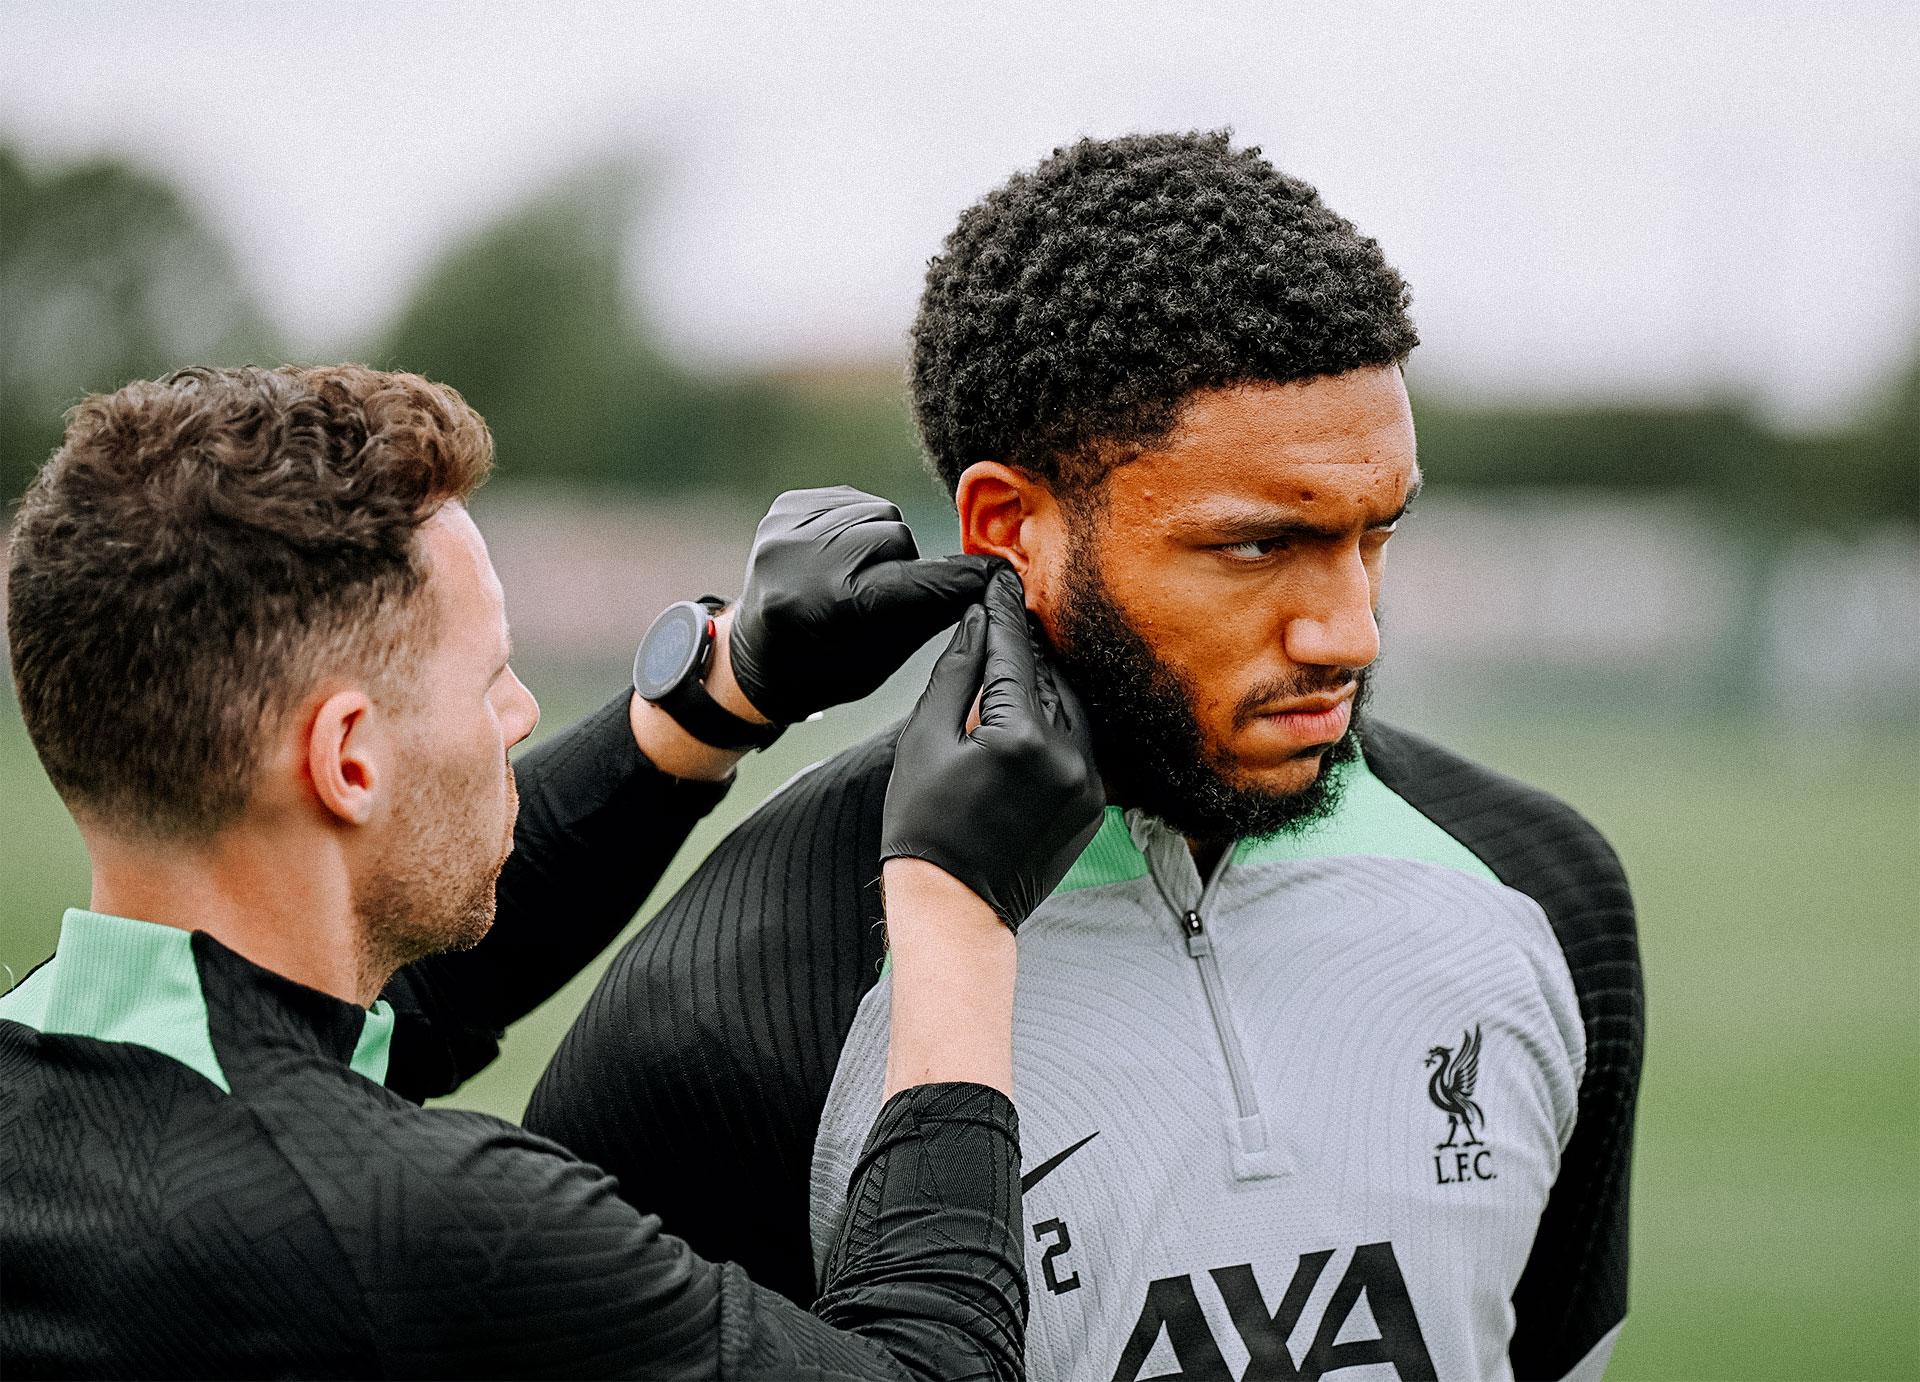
1196	933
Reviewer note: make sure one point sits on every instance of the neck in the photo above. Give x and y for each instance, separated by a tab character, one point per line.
285	904
1207	854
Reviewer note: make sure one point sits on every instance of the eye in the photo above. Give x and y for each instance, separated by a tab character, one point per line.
1253	549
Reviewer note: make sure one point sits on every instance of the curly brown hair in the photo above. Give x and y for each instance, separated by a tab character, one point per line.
199	551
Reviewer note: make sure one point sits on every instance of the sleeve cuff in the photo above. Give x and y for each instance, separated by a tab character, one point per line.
597	764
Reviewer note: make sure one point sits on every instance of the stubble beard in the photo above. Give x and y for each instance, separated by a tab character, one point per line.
435	891
1149	744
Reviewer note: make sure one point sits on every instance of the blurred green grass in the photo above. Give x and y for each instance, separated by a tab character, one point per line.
1776	1218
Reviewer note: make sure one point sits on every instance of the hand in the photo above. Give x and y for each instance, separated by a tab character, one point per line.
837	597
1008	808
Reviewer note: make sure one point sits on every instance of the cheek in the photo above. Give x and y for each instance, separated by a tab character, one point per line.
481	753
1221	640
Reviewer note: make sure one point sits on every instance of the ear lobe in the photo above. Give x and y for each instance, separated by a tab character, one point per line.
997	507
341	762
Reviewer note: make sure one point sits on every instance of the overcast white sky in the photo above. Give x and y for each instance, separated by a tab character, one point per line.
1589	199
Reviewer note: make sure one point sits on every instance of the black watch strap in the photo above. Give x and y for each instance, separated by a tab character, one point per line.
692	707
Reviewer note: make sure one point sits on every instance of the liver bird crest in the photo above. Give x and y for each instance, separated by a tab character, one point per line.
1451	1087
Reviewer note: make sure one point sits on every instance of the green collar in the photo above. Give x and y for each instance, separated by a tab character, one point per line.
1370	819
115	979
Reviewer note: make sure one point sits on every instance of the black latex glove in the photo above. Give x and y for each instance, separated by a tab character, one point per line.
837	597
1007	808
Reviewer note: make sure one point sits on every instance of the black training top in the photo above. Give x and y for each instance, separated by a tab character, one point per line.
202	1173
1268	1088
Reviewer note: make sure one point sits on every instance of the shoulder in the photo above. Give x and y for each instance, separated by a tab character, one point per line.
1538	845
798	878
803	867
470	1180
462	1202
848	789
1531	840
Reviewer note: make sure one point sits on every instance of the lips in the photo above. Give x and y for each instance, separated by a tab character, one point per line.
1313	719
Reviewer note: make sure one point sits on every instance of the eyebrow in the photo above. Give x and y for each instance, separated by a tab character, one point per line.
1277	524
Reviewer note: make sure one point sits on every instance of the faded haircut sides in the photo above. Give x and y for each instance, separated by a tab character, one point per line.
201	550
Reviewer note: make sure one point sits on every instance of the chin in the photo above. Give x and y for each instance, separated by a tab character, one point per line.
1280	771
1285	779
472	926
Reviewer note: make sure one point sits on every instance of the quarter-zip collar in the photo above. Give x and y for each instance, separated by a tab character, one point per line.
1370	819
116	979
1169	860
1255	1153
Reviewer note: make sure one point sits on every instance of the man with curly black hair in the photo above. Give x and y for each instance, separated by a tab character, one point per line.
1324	1016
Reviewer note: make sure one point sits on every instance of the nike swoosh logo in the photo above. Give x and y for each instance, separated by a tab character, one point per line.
1046	1168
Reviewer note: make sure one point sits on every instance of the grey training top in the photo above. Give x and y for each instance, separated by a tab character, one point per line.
1360	1103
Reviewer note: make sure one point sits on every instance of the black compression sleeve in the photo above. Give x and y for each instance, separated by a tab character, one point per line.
696	1072
940	1166
598	825
537	1269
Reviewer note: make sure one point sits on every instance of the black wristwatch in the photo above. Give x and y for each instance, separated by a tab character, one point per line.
670	668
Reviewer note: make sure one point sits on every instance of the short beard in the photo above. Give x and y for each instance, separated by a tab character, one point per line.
1148	743
432	895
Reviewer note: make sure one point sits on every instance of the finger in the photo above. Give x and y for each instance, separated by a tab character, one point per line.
867	541
804	503
924	594
1046	688
956	677
1009	693
1071	716
832	523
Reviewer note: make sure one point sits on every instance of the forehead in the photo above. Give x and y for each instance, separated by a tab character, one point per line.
1340	439
461	573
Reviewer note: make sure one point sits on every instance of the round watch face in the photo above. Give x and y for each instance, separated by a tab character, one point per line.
670	649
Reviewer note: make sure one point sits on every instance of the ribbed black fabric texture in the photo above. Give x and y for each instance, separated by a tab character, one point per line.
147	1229
697	1071
876	1280
598	825
314	1224
1574	1288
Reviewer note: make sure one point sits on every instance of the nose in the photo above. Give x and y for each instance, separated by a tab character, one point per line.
1336	627
521	712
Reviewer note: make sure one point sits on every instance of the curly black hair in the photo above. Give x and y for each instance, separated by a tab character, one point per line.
1075	309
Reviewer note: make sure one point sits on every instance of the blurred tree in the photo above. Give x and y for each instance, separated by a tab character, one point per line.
535	319
106	274
1761	478
529	318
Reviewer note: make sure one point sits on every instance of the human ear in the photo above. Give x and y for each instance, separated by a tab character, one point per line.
341	757
1008	513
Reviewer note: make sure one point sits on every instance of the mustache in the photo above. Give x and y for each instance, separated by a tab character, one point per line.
1318	681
